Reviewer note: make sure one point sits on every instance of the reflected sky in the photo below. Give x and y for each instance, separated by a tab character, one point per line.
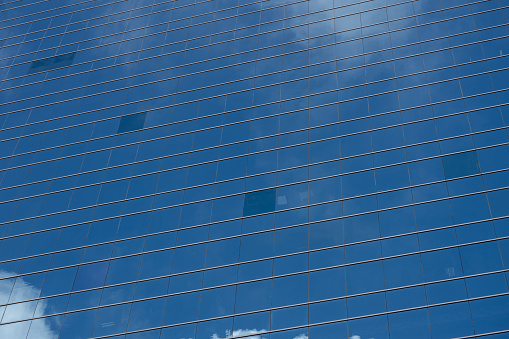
353	53
255	334
238	333
22	291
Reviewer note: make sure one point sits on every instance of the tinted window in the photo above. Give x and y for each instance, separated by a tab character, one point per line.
260	202
51	63
132	122
459	165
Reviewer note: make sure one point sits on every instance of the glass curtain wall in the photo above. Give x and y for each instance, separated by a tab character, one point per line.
262	169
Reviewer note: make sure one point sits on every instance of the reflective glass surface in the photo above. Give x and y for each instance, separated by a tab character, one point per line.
263	169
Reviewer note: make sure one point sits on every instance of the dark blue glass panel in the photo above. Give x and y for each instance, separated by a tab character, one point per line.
132	122
51	63
260	202
461	164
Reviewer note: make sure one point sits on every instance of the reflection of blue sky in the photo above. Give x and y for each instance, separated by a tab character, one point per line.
40	329
255	335
377	72
93	276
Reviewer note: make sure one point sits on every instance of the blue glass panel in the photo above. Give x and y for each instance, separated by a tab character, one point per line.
260	202
91	275
51	63
279	168
491	314
461	164
132	122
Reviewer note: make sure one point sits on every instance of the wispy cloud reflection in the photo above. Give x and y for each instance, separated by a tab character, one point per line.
40	329
355	336
238	333
251	334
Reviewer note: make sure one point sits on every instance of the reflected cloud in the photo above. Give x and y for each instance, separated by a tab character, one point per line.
40	329
238	333
355	336
252	334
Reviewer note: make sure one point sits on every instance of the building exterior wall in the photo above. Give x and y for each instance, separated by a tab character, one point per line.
283	169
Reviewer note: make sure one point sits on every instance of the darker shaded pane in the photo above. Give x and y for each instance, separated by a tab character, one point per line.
63	60
260	202
459	165
132	122
40	65
91	275
51	63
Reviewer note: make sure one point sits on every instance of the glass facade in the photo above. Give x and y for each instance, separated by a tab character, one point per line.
283	169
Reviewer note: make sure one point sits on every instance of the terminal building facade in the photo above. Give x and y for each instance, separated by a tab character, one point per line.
283	169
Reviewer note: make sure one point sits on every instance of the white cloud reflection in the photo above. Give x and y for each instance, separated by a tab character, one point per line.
355	336
251	334
40	329
238	333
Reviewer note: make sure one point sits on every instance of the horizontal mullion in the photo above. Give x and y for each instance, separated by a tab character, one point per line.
54	16
295	273
370	153
254	88
321	20
283	256
287	274
240	218
292	305
86	20
217	222
284	210
169	30
388	21
222	67
281	100
119	105
358	171
21	6
154	25
276	256
273	229
14	1
3	11
306	326
253	153
482	334
192	39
